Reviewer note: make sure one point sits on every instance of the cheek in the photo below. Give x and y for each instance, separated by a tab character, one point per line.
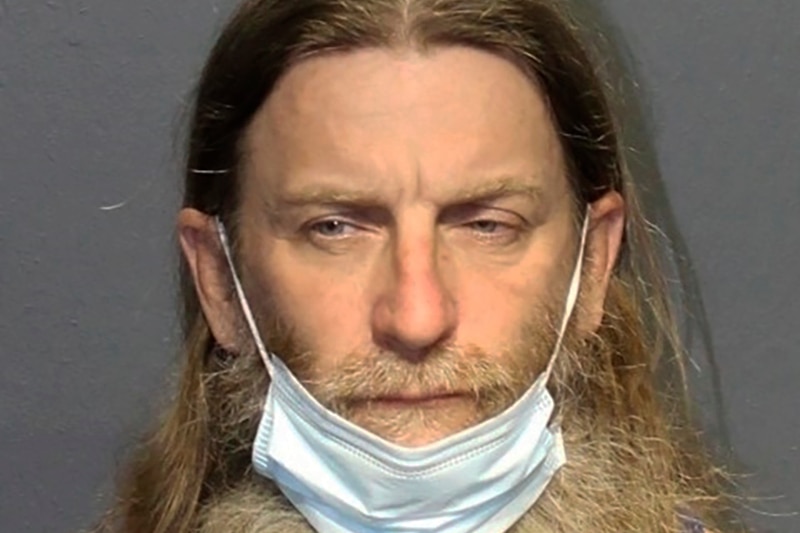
324	309
494	309
497	304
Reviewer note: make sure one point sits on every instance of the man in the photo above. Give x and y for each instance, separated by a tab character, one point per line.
419	292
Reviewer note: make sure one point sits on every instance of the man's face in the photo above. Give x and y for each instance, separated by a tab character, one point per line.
408	218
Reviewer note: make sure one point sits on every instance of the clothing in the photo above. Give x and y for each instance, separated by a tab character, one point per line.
692	525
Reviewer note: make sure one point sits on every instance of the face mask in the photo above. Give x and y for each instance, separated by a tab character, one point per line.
345	479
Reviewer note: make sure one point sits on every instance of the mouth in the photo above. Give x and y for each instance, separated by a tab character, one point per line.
412	401
414	419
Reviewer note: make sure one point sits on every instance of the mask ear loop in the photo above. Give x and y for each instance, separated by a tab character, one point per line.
572	297
248	314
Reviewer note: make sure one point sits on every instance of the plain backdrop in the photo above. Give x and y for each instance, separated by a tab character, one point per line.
91	94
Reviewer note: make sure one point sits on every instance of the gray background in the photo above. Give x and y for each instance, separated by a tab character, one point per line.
90	94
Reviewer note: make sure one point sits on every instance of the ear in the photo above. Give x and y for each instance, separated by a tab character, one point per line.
603	241
203	252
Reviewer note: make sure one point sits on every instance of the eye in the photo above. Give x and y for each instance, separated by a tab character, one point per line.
491	231
487	226
332	228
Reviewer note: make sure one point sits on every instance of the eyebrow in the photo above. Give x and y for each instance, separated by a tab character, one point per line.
500	187
485	191
330	195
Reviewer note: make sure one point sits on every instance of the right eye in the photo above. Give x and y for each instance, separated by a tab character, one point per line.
332	228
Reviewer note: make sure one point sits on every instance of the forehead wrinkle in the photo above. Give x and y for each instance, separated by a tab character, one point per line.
328	194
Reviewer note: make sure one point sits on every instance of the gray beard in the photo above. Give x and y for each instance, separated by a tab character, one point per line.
616	478
256	506
609	484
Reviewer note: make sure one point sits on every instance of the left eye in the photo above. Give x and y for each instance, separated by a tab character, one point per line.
486	226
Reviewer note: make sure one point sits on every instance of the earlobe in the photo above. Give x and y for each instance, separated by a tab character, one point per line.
203	253
606	229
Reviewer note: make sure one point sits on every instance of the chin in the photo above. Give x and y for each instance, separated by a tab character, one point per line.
414	427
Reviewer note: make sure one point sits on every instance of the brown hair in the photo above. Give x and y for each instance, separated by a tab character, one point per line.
181	466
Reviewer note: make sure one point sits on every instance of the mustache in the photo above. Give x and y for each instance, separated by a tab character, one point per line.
445	371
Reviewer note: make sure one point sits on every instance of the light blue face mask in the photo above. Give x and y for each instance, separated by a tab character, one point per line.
345	479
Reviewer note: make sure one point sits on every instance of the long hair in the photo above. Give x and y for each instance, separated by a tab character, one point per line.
181	466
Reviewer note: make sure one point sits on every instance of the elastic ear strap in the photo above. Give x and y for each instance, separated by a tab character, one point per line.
248	314
572	297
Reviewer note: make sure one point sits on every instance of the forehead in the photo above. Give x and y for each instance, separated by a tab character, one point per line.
447	117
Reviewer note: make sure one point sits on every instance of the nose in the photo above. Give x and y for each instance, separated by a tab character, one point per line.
415	313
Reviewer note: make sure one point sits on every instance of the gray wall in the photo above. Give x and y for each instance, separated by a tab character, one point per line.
90	94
